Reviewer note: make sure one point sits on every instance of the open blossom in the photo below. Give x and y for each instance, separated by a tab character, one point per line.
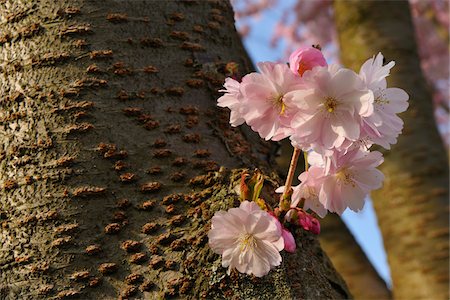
259	100
330	109
248	238
308	189
351	177
264	99
306	58
383	126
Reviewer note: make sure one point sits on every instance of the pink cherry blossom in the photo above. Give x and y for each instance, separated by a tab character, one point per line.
264	100
306	58
233	100
248	238
329	109
383	126
308	189
351	177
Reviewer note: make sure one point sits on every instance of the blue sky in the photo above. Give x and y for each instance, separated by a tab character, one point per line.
363	225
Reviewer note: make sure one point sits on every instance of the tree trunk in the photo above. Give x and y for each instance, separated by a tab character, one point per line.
350	260
412	207
339	244
109	128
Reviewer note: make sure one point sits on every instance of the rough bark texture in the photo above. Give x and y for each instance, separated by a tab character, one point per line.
339	244
108	125
412	207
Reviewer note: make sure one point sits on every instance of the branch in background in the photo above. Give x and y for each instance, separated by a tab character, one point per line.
350	260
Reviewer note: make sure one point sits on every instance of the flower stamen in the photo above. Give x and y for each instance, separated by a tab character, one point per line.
345	176
279	103
247	242
330	104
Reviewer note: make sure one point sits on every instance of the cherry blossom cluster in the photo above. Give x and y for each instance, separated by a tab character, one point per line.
330	113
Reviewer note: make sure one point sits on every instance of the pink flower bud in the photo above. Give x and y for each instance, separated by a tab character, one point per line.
289	241
304	220
306	58
315	228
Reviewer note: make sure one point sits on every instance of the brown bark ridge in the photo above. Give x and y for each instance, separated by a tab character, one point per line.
114	156
412	207
337	241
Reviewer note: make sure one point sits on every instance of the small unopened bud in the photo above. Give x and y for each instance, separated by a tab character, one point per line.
308	222
315	228
304	221
289	241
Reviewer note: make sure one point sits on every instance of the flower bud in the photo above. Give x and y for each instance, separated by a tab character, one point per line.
304	220
315	228
304	59
289	241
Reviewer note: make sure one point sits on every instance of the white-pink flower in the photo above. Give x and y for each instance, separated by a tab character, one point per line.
383	126
263	105
329	109
308	189
248	238
233	100
351	177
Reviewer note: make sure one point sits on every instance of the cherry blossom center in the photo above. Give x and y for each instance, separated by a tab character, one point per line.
330	104
247	242
279	104
380	99
345	176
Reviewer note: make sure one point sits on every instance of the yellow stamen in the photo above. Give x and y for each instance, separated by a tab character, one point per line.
345	176
247	241
283	108
330	104
380	100
278	101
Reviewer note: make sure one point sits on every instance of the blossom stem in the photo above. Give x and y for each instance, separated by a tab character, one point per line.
290	176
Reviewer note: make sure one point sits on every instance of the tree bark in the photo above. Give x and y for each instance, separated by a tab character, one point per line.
412	207
350	261
114	155
337	241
